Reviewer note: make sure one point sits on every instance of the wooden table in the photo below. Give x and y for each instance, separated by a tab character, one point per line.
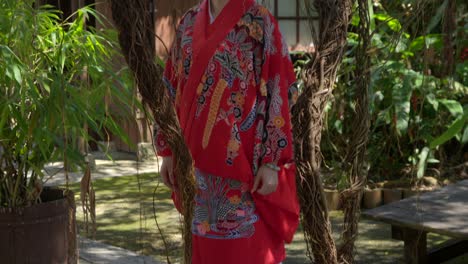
444	211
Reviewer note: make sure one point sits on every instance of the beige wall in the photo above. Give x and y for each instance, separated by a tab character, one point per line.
167	17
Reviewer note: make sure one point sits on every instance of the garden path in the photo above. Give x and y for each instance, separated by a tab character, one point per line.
121	165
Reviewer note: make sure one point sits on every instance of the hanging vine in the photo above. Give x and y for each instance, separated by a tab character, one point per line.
136	37
356	149
319	78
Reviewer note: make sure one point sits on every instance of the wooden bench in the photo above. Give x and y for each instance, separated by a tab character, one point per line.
444	212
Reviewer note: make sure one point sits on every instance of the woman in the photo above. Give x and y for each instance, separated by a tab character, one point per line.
232	82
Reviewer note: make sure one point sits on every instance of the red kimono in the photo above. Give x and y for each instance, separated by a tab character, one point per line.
233	83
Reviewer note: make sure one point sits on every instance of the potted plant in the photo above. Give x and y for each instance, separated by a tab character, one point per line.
54	75
333	181
371	198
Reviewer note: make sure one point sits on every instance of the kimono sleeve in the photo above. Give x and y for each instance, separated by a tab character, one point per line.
278	84
280	209
170	81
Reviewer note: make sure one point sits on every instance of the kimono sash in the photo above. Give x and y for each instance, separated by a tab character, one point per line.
206	39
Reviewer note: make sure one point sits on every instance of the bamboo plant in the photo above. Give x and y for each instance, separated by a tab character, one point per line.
54	76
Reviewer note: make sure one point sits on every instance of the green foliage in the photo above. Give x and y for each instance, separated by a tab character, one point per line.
54	78
418	116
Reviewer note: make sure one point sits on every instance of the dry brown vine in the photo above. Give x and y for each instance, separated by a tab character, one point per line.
319	78
356	149
136	37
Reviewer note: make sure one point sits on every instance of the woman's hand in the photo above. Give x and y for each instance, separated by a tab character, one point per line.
267	180
167	172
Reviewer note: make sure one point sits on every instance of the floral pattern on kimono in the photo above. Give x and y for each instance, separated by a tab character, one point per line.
224	208
240	63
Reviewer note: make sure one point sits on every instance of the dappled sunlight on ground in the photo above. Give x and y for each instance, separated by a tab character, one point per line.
126	219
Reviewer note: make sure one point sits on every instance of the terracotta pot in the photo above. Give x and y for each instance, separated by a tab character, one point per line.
333	200
371	198
42	233
392	195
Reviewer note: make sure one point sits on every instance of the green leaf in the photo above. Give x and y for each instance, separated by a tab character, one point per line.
433	161
338	126
17	73
422	162
427	41
417	44
407	54
451	132
464	139
42	64
355	20
392	23
454	107
459	87
160	62
432	100
401	98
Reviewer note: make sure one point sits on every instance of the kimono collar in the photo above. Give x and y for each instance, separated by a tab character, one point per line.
212	18
204	31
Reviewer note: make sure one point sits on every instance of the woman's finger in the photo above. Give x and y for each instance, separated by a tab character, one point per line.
266	189
256	183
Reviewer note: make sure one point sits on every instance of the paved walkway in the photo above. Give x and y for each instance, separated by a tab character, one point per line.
90	251
121	165
93	252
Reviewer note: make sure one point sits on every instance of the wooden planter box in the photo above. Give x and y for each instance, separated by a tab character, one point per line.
42	233
392	195
333	200
372	198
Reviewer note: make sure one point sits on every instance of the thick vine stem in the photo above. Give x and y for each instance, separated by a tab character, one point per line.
136	37
319	78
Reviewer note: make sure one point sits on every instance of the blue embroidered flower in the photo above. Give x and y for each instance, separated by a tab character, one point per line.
187	65
201	99
282	143
210	80
237	112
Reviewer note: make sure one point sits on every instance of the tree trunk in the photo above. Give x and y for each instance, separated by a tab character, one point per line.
319	78
356	151
136	36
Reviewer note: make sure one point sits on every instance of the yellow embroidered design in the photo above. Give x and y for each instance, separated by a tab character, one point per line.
206	226
255	29
200	87
214	107
233	145
263	11
263	88
279	121
235	199
240	99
